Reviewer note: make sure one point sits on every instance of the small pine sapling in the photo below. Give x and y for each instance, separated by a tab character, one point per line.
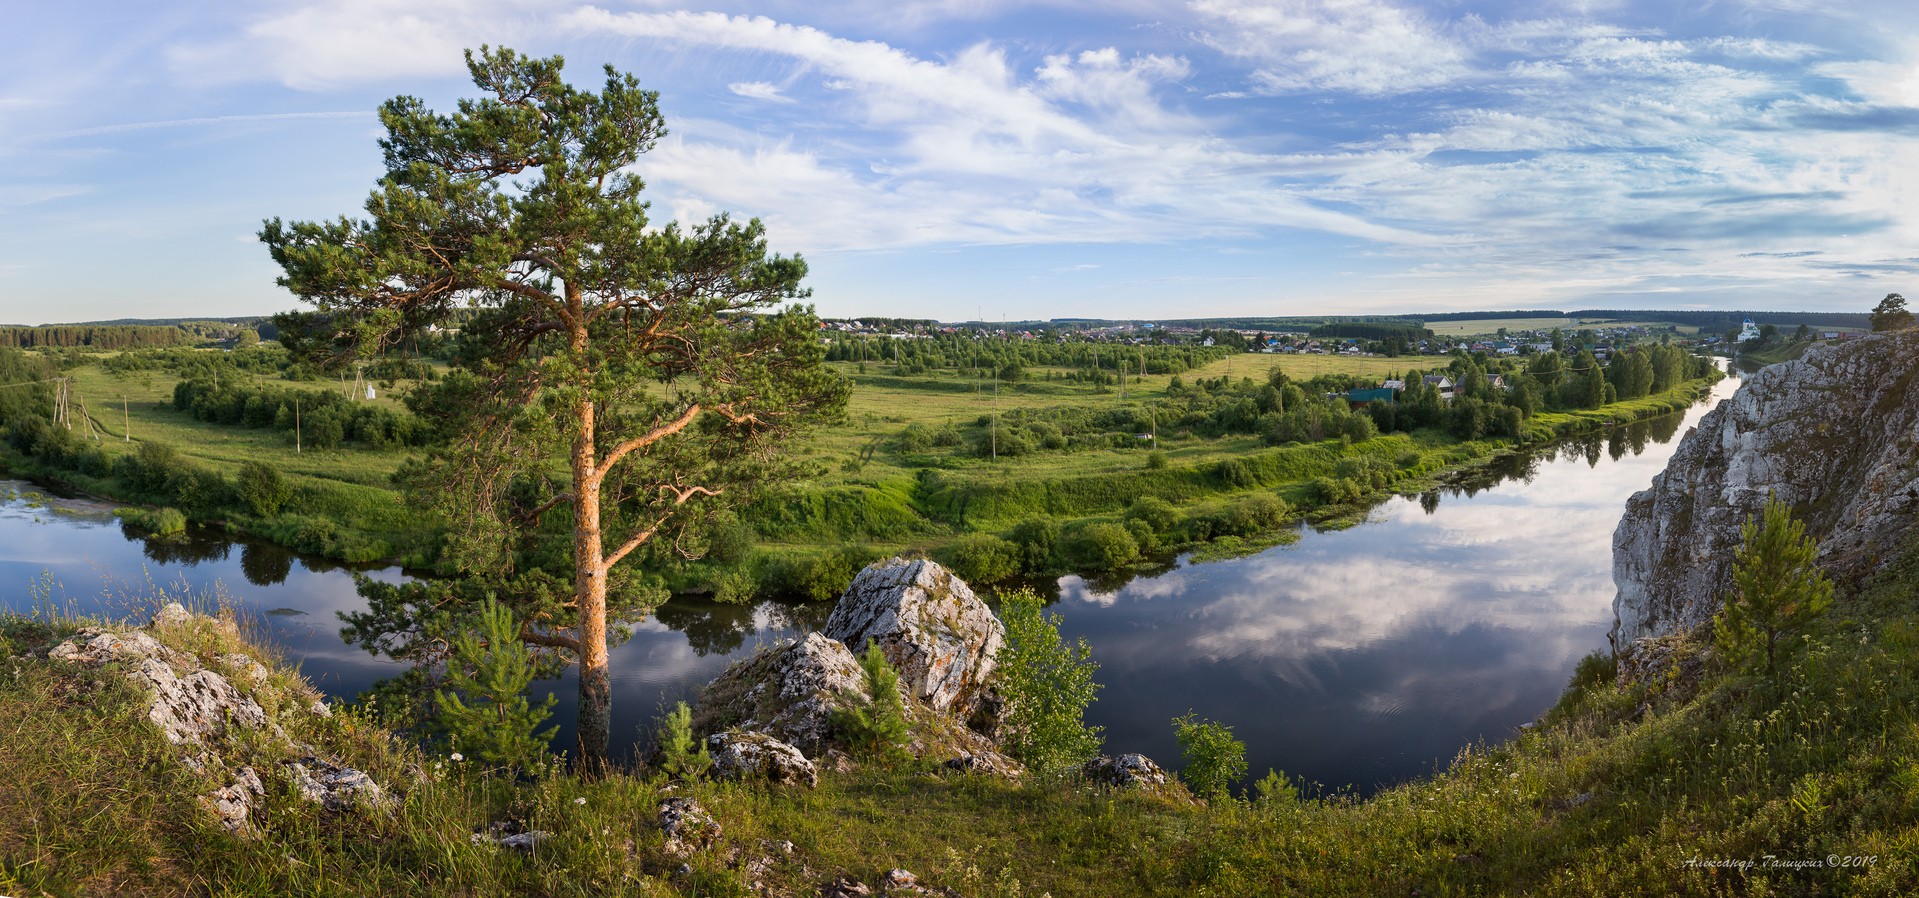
484	706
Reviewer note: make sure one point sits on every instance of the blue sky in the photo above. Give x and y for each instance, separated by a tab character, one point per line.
959	158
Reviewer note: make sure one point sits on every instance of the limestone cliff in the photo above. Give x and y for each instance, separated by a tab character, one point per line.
1833	434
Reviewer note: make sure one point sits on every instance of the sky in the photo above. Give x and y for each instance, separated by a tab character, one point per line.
962	159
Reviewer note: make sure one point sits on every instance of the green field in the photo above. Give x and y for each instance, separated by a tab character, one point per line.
1474	327
921	462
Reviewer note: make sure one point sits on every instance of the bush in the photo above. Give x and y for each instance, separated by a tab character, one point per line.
984	558
823	576
1213	759
1155	460
263	489
1099	546
1038	541
1047	685
874	727
484	707
1157	514
1234	474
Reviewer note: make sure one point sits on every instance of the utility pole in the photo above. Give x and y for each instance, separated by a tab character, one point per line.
296	424
995	430
126	418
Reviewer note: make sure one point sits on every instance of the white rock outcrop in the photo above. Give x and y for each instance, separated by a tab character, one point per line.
1834	434
941	638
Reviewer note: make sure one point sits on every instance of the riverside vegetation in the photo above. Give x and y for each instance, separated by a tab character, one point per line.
1008	459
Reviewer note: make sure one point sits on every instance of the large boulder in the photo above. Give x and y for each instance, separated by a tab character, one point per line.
1834	434
940	637
788	692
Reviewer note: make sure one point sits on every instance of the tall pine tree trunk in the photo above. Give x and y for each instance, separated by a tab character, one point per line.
589	588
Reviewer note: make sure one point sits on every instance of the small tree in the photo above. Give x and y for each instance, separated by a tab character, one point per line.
682	756
484	707
1890	314
1214	760
1047	685
1777	590
876	727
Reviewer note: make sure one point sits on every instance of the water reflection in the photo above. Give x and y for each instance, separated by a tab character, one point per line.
1373	654
1361	656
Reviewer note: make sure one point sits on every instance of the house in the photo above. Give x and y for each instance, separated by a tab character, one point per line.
1443	384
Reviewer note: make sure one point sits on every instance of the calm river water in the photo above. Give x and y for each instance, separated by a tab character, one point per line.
1357	658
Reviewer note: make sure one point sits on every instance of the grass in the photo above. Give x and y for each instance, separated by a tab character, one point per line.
1475	327
865	491
1693	781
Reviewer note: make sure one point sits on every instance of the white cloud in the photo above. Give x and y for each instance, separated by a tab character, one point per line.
972	150
319	46
759	90
1365	46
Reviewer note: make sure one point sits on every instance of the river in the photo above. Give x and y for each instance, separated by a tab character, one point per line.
1352	658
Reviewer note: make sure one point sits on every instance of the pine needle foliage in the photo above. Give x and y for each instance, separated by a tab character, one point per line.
682	756
875	728
484	707
1777	590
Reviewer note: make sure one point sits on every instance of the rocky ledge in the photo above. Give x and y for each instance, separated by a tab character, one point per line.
221	715
1834	434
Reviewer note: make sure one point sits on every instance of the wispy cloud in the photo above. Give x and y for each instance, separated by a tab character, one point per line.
759	90
203	121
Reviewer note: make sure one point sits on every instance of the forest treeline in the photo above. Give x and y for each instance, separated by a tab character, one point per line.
104	337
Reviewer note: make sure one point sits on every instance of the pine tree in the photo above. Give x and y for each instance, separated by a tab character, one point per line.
484	707
1777	590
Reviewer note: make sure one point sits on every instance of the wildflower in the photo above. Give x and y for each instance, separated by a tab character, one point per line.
456	756
581	800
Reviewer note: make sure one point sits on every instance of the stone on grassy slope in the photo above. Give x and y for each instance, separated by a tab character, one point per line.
188	708
788	692
742	755
940	637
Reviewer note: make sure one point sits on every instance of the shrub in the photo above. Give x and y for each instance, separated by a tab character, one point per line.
1047	685
984	558
1038	541
1157	514
263	489
1213	759
1155	460
1099	546
484	707
874	727
157	522
1235	474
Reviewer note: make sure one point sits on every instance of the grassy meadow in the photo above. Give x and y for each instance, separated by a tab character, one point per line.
877	485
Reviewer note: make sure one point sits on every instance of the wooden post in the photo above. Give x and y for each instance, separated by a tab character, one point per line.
126	418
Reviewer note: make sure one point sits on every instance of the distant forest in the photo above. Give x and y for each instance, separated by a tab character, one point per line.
115	336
